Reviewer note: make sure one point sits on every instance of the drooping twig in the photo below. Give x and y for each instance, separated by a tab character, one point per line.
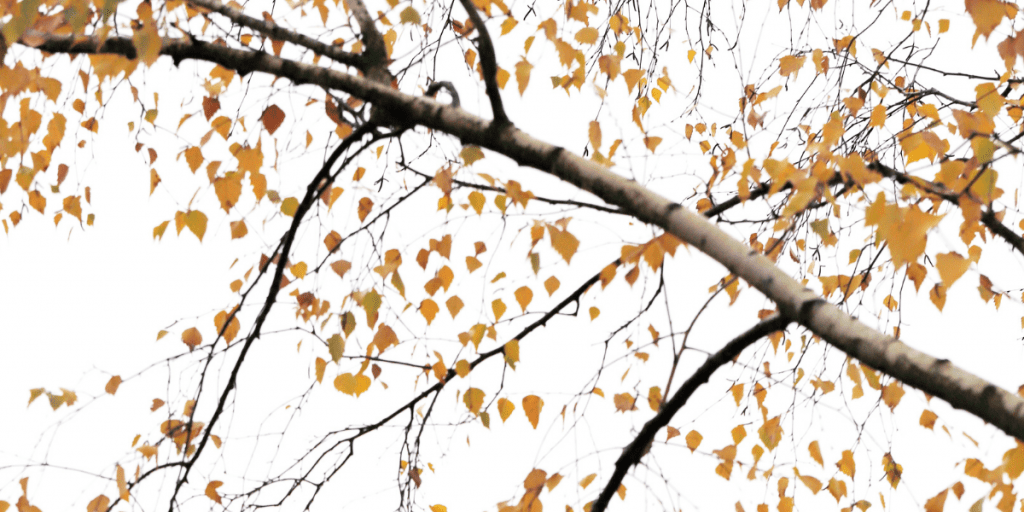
632	454
489	64
312	193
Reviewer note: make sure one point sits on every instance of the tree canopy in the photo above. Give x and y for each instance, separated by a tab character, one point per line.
679	254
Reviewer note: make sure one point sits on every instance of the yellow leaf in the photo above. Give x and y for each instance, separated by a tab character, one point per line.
587	35
532	405
938	296
986	14
471	154
594	312
672	432
624	402
196	222
336	347
365	205
429	309
595	134
632	77
815	452
474	399
228	190
222	125
846	464
98	504
384	338
409	15
211	490
476	200
878	116
693	440
511	350
289	206
587	480
893	471
551	285
927	419
652	143
937	502
770	433
321	367
892	393
192	338
113	384
951	267
462	368
505	408
523	69
509	24
122	484
790	65
498	307
454	305
438	508
352	384
564	243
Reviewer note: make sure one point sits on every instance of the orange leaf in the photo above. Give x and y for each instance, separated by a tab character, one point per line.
272	118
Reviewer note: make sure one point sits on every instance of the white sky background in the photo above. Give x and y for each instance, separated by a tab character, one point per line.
81	305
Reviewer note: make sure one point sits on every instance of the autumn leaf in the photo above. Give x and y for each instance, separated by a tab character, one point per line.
113	384
122	484
352	384
474	399
505	408
693	440
192	338
523	69
211	490
532	405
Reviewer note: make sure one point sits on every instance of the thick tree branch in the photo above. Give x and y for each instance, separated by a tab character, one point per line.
939	378
275	31
489	64
635	451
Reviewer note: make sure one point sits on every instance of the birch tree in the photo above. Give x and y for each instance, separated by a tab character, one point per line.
424	193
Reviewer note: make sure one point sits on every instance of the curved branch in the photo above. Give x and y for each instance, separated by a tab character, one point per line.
275	31
632	454
489	64
940	378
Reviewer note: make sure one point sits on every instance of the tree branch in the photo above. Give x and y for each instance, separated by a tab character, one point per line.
489	64
988	217
375	52
275	31
939	378
635	451
312	193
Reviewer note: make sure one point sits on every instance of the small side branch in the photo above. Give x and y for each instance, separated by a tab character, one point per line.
376	54
632	454
275	31
489	63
